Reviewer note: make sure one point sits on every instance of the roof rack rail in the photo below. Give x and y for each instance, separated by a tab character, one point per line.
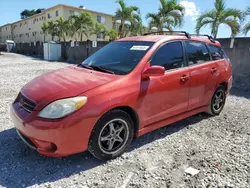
169	32
202	35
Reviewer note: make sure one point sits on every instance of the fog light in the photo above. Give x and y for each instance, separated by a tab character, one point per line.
45	146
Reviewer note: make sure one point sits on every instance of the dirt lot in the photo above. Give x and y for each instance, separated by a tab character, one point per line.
218	146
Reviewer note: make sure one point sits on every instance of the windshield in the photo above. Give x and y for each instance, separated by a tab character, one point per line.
118	57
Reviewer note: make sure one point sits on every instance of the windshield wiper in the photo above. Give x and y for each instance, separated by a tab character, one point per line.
85	66
101	69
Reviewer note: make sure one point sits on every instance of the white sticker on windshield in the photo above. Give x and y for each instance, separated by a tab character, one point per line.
142	48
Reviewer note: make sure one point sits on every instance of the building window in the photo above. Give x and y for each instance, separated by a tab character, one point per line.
101	19
34	33
20	24
6	28
34	21
57	13
49	15
71	12
27	34
20	35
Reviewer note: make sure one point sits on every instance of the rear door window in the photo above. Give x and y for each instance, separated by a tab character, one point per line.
197	52
216	52
169	55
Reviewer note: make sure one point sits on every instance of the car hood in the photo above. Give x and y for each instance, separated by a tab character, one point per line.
66	82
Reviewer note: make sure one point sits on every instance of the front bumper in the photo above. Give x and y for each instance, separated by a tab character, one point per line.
55	138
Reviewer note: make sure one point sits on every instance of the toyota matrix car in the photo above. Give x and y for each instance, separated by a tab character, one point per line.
128	88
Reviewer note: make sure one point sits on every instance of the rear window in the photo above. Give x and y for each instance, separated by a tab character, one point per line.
120	57
197	52
216	52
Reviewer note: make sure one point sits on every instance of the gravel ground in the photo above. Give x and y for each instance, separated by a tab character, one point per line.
217	146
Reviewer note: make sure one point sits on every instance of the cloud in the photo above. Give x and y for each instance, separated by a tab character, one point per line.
190	9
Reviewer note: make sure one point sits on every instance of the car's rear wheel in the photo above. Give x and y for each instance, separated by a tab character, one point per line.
218	101
112	135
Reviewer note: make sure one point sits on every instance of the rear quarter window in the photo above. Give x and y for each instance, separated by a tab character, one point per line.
216	52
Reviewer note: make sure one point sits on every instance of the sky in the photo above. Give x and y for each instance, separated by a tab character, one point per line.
10	9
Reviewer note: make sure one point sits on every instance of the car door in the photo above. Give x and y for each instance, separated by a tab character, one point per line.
167	95
203	74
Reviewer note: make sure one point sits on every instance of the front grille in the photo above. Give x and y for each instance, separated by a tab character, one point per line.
26	103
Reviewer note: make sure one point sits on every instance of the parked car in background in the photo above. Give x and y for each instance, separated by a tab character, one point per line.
128	88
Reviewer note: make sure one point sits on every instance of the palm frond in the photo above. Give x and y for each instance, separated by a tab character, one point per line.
233	24
246	29
219	5
201	24
234	13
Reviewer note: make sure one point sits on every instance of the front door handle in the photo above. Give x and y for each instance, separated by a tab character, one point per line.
213	70
184	78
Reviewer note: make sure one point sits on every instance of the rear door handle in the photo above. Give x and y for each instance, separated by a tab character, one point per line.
213	70
184	78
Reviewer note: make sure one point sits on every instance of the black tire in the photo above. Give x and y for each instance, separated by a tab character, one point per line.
118	118
213	108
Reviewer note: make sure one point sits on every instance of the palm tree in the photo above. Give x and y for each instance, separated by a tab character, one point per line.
62	28
83	24
159	22
45	30
99	29
113	35
220	15
52	29
125	14
169	16
136	27
246	28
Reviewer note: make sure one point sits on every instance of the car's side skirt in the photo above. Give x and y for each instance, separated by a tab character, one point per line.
170	120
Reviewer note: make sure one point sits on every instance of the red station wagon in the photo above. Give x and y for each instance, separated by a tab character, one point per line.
128	88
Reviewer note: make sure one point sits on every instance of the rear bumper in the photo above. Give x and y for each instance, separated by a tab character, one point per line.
56	138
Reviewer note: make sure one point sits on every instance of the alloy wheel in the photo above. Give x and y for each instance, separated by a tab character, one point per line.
113	136
218	100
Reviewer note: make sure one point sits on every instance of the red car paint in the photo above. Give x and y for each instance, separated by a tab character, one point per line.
157	101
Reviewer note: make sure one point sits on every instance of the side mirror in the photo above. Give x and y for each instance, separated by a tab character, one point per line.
153	71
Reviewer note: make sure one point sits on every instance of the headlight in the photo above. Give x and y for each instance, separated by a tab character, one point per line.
62	107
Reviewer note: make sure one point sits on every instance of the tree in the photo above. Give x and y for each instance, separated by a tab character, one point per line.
45	30
52	29
82	24
125	14
136	27
220	15
158	22
27	13
246	28
169	16
113	34
62	28
99	29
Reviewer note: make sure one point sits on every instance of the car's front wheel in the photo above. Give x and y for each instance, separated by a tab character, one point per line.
112	135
